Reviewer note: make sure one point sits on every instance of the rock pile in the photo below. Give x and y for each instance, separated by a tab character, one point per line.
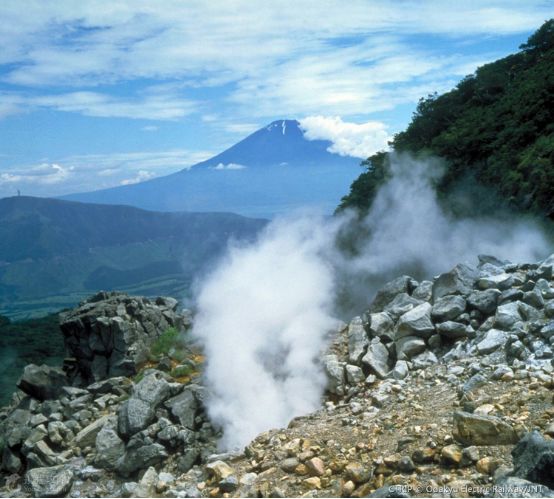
441	388
110	426
499	310
64	435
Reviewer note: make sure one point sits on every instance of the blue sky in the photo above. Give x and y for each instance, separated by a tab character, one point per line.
95	94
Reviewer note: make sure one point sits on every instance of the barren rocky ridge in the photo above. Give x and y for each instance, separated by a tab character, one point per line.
441	388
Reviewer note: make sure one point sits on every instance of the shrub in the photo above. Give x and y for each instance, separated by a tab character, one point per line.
165	343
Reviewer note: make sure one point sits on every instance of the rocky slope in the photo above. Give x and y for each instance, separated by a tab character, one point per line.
442	388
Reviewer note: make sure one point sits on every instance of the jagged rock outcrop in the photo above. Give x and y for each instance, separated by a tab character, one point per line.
56	435
110	333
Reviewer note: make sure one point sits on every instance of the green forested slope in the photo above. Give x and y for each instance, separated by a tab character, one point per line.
54	253
495	128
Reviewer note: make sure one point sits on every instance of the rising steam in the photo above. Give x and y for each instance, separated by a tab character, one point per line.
265	312
263	316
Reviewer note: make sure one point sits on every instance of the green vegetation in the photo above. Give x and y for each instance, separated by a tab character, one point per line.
185	369
37	341
495	129
167	341
178	356
54	253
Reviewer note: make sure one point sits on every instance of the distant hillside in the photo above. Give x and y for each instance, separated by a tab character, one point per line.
53	253
274	170
495	129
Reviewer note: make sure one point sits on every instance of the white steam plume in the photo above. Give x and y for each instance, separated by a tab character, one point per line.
263	316
409	228
264	313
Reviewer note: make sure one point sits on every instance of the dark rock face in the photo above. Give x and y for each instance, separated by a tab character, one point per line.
109	334
42	382
534	459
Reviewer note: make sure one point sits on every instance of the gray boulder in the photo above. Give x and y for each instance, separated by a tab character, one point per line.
377	358
139	411
134	415
491	260
484	301
534	298
493	340
401	304
334	369
357	340
459	281
507	315
547	331
448	307
451	330
382	326
499	281
400	370
42	382
87	436
354	374
549	309
153	389
109	448
545	289
547	267
416	322
141	457
184	407
512	294
424	291
424	359
16	427
387	293
473	429
409	346
53	481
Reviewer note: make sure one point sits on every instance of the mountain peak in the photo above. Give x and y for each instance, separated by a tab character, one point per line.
273	170
280	126
282	142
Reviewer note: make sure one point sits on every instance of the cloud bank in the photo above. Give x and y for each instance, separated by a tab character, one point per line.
336	63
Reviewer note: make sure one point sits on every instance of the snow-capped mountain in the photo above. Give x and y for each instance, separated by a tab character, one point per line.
272	171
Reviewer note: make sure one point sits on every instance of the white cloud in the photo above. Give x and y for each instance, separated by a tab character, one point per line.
241	128
150	128
141	176
94	171
349	139
229	166
284	55
151	107
42	174
161	161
